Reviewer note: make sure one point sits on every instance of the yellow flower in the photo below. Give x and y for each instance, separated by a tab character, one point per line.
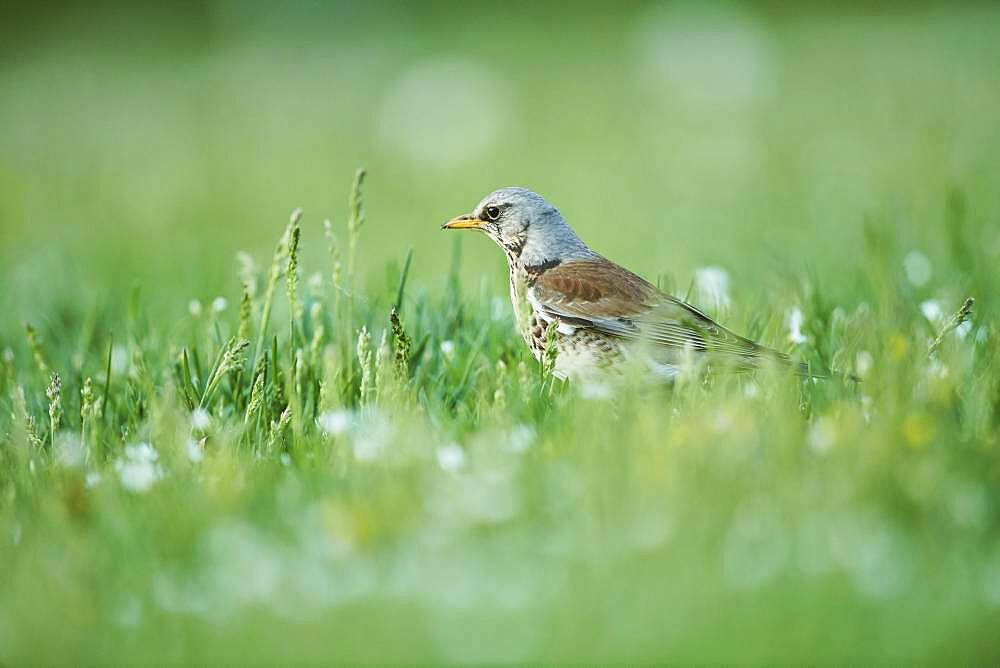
898	347
918	429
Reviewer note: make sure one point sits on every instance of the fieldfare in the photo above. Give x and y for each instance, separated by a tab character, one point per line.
599	316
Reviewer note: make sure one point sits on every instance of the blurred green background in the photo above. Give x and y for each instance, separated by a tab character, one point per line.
809	151
147	143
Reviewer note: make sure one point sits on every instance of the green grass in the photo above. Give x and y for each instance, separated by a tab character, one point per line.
342	489
295	474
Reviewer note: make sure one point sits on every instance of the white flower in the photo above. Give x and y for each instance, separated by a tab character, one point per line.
8	355
93	479
521	438
451	457
220	304
917	268
196	450
866	407
371	437
120	362
194	308
448	349
200	419
712	285
863	362
138	469
595	391
722	421
963	330
822	434
335	423
795	319
931	309
70	451
499	308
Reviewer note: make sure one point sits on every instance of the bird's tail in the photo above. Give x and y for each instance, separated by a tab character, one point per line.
803	369
806	370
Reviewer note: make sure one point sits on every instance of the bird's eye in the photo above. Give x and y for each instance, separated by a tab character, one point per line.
492	212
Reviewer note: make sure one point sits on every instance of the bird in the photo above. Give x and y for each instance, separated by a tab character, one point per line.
598	318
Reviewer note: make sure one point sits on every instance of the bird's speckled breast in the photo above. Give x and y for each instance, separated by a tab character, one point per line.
528	323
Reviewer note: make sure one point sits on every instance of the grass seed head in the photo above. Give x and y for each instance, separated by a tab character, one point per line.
337	272
400	346
961	316
279	429
87	399
355	219
550	353
292	268
246	313
54	394
235	356
500	393
35	344
256	402
316	346
24	420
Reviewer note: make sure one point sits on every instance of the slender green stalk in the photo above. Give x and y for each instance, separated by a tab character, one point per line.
383	376
277	266
106	394
86	407
8	373
355	221
402	281
366	362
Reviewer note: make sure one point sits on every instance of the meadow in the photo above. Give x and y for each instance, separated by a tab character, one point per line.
237	431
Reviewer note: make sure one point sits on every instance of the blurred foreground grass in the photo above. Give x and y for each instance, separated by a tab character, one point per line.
450	503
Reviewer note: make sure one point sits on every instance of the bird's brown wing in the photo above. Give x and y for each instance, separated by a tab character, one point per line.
604	296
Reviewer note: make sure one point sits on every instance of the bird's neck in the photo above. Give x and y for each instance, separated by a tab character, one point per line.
559	245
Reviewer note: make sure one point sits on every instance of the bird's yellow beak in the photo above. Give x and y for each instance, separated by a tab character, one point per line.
466	222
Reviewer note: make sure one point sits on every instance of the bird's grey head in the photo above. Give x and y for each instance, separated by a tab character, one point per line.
525	225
